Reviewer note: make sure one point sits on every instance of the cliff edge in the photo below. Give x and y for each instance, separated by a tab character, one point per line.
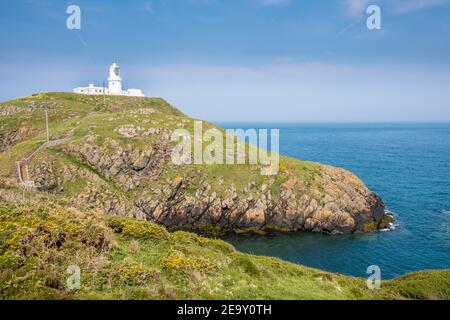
113	155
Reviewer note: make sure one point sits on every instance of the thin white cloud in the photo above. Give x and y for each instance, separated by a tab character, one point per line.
406	6
300	92
83	42
356	8
278	92
348	27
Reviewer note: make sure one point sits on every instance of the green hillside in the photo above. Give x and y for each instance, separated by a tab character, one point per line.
123	258
106	198
113	154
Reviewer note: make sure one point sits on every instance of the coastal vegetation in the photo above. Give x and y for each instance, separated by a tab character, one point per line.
114	154
103	197
124	258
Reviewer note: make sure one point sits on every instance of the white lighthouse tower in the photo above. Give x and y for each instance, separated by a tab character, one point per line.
114	80
114	86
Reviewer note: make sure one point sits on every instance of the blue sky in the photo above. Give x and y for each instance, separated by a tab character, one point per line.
241	60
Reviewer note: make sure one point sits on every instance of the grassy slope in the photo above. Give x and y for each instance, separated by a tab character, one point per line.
121	258
80	115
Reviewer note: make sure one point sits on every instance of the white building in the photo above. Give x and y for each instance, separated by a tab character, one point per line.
114	86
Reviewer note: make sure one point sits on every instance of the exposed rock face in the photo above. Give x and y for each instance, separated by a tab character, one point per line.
127	166
119	162
342	204
9	138
9	110
347	208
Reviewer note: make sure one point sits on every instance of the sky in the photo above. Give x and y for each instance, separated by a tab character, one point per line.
241	60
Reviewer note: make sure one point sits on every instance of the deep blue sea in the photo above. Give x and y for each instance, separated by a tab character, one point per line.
408	165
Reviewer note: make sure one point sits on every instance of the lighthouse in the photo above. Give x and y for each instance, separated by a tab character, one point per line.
114	80
114	86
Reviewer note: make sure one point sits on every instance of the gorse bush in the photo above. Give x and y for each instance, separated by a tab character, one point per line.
132	273
25	233
40	243
178	261
137	229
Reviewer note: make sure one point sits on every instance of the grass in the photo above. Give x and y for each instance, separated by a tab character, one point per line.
122	258
82	116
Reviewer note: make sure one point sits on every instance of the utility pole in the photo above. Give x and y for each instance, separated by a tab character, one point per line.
46	124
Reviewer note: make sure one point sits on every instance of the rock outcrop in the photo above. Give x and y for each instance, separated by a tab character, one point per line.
344	209
121	165
334	202
11	137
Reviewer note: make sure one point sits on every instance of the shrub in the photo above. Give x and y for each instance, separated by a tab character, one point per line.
132	273
137	229
37	244
182	237
177	261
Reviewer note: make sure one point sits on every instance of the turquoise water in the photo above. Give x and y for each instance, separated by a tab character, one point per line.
408	165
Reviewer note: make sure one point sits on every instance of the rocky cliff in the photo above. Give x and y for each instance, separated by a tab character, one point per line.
115	157
44	242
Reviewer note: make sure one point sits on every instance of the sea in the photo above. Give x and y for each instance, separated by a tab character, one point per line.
407	164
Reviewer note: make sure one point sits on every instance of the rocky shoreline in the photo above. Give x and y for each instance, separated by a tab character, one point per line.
341	205
130	173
